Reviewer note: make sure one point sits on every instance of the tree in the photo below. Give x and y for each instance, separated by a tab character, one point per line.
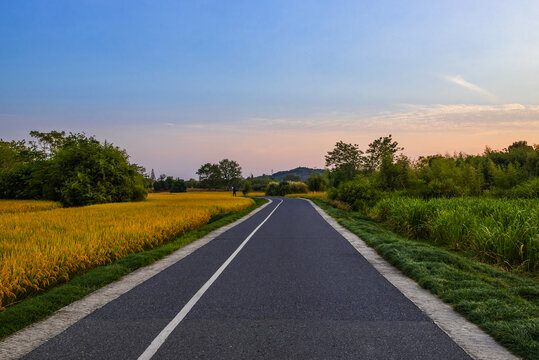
73	169
292	177
345	158
377	149
209	176
50	142
83	171
191	183
178	185
522	144
230	173
316	182
246	188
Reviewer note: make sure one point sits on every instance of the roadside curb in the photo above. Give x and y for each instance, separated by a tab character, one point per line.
24	341
474	341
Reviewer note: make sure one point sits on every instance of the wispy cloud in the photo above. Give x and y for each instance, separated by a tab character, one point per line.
169	124
405	118
468	85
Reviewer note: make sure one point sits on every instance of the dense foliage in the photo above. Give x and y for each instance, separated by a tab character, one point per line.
166	183
512	172
284	188
224	175
414	197
73	169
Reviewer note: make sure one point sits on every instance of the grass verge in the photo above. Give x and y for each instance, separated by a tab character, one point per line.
504	305
33	309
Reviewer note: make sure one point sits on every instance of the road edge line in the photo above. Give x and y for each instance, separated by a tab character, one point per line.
468	336
26	340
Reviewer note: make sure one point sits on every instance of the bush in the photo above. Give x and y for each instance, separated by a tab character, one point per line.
246	188
297	187
284	188
525	190
317	182
178	186
361	193
272	189
85	172
75	170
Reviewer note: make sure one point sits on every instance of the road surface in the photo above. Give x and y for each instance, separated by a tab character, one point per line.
295	290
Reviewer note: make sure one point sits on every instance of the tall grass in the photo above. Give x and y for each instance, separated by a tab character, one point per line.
503	232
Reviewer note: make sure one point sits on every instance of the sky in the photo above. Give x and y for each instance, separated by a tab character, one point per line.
271	84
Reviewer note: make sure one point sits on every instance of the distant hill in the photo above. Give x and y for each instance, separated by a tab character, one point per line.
302	172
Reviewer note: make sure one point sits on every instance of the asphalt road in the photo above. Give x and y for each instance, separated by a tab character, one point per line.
296	290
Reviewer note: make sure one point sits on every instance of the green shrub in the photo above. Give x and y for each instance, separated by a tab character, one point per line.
317	182
178	186
525	190
284	188
272	189
298	187
246	188
361	193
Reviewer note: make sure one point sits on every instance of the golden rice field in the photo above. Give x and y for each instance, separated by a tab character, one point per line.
311	195
18	206
256	193
42	245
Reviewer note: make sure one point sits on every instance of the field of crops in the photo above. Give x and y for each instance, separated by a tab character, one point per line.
310	195
17	206
42	245
499	231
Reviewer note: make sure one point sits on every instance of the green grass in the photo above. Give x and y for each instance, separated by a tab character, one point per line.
33	309
498	231
504	305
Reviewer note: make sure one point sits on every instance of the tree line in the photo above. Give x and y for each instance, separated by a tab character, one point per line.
360	178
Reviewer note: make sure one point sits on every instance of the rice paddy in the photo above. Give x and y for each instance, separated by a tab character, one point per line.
42	245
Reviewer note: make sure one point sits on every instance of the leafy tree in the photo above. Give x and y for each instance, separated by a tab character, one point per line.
259	184
292	177
317	182
345	158
178	185
49	143
230	173
83	171
74	169
209	176
377	149
191	183
246	188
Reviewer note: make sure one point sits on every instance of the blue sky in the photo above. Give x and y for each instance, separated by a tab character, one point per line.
272	84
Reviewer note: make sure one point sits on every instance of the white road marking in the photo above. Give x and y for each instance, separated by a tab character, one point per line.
164	334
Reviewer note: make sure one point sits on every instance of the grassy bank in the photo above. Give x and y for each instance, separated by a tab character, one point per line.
504	305
39	307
